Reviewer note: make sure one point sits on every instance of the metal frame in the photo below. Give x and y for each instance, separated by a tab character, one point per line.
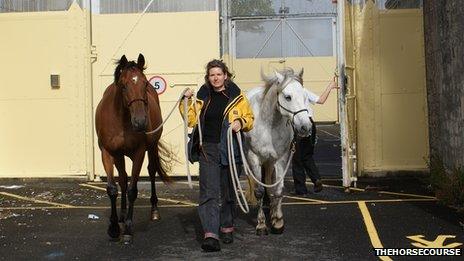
282	20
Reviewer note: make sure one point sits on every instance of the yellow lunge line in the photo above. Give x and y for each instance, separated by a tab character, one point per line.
371	230
36	200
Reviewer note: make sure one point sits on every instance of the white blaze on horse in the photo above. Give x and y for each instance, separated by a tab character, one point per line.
281	110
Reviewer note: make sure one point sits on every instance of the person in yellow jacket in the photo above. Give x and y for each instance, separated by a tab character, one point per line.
220	104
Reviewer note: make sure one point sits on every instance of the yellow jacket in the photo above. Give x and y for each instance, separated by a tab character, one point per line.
238	108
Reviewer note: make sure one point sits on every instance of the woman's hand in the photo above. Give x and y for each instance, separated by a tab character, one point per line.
188	93
334	83
236	126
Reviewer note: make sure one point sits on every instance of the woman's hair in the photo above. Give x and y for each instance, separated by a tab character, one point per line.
219	64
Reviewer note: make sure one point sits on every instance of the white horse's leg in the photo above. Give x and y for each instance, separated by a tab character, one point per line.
277	217
255	165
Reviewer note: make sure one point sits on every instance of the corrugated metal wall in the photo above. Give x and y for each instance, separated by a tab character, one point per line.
7	6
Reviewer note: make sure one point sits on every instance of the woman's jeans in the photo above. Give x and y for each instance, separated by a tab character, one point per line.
216	208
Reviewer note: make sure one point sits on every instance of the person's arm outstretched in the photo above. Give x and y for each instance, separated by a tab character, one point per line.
332	85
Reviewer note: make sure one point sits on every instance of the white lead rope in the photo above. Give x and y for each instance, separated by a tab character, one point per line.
249	173
189	176
169	115
185	118
234	173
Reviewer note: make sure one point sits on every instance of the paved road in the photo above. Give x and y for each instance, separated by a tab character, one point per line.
48	220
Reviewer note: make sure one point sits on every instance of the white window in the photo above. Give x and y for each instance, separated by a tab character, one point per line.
289	37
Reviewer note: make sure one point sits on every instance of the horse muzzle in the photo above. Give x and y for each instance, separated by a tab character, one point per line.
303	131
302	125
139	123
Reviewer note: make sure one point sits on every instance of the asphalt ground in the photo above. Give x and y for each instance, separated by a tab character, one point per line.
327	152
49	220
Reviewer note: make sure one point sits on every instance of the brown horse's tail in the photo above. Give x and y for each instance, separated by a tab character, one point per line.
164	160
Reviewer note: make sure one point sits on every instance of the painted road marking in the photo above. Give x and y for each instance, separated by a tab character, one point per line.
164	199
335	186
439	242
36	200
371	230
89	207
367	201
406	194
306	199
191	205
193	183
380	191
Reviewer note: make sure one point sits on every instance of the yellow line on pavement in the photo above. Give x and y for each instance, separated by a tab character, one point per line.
306	199
357	201
187	206
405	194
371	230
380	191
193	183
383	200
36	200
334	186
88	207
164	199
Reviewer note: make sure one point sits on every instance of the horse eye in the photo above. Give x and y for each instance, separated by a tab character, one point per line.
288	97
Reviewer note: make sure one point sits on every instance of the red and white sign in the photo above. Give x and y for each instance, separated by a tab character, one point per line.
158	83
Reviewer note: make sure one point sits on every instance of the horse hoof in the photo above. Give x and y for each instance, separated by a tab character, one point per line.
155	215
277	230
127	239
261	231
114	230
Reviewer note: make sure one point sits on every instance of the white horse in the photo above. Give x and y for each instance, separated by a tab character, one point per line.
281	111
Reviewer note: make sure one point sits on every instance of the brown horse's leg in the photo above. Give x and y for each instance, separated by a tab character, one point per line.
152	153
137	160
112	190
121	167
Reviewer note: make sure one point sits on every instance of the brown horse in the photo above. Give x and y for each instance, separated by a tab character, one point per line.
128	109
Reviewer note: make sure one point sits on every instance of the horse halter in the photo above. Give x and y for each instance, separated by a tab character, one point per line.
138	99
292	112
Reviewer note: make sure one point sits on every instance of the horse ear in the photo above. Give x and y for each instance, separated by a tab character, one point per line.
123	60
121	64
301	73
141	61
279	76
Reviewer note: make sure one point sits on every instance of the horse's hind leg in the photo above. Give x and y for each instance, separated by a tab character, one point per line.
112	190
155	215
261	228
137	160
122	178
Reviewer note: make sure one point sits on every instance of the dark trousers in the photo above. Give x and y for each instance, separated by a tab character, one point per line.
216	207
303	163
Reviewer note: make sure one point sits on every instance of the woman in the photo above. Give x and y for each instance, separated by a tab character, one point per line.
220	104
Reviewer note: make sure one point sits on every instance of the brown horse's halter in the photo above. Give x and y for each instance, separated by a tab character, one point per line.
139	99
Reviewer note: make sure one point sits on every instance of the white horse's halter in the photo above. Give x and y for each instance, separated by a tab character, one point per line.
291	112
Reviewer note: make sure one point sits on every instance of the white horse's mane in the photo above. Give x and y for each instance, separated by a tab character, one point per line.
272	85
